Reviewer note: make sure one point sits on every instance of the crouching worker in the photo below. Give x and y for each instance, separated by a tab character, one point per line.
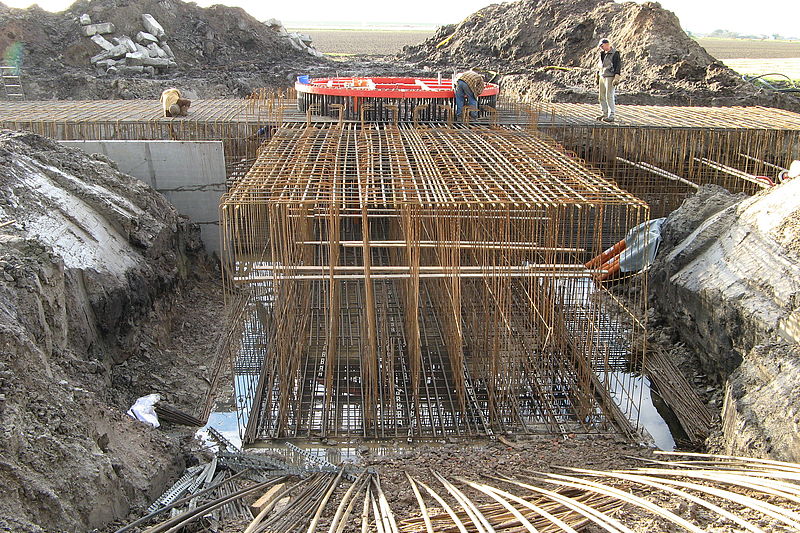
173	104
468	86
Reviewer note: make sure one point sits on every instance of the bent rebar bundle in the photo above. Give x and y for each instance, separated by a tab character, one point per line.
425	281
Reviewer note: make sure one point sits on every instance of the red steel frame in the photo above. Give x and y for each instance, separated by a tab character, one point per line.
386	87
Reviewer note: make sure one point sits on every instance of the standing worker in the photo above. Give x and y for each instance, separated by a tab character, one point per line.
609	67
469	85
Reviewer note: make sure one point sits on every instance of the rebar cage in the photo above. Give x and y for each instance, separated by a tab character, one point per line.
663	154
660	154
425	281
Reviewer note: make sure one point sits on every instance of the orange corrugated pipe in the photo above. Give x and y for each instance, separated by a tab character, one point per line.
608	254
611	268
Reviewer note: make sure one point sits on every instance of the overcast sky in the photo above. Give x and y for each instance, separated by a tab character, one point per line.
753	17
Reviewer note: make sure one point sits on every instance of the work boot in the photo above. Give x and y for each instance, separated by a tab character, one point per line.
608	119
601	117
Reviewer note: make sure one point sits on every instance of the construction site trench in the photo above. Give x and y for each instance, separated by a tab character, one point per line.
364	314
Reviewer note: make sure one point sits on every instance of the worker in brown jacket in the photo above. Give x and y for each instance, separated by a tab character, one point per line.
468	86
173	104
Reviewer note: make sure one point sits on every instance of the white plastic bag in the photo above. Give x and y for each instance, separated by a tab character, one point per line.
143	409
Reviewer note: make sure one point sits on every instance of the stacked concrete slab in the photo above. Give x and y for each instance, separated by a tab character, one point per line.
148	53
299	41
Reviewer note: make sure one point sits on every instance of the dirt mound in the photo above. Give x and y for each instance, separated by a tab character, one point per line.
219	51
88	253
547	50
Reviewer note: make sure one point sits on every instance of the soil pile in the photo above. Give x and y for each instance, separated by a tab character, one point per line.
85	254
547	50
220	50
728	279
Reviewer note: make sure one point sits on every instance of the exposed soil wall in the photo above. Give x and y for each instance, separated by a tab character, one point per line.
761	414
728	279
90	254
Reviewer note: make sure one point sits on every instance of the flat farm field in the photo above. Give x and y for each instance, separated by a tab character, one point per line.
789	67
749	48
371	42
756	57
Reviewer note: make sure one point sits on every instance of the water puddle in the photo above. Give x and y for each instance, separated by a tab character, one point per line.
650	417
224	419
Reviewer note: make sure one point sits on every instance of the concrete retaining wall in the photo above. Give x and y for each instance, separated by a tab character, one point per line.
191	174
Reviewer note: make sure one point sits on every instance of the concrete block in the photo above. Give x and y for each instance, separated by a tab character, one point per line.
297	38
127	41
152	26
146	38
168	50
85	19
155	49
296	43
128	69
276	26
303	37
155	62
142	49
93	29
134	58
101	41
105	64
117	51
